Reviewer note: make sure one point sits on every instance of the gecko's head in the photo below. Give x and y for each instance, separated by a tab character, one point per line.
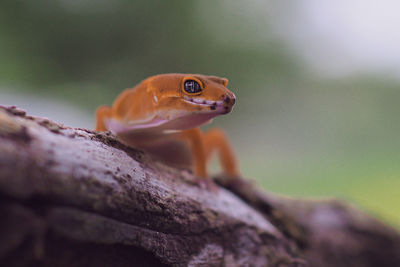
191	98
207	93
192	92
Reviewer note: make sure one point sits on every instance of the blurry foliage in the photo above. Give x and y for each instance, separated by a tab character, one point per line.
95	49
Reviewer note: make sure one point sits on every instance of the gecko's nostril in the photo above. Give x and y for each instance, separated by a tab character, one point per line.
227	99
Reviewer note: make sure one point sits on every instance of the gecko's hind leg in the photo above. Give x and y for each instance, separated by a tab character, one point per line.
102	113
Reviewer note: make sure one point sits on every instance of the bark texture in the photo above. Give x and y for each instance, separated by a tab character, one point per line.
75	197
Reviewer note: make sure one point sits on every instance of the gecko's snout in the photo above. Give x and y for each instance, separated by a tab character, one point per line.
229	100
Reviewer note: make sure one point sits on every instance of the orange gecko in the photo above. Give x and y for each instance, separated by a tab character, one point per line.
161	116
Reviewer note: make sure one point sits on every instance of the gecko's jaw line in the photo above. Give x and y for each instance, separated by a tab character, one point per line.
203	102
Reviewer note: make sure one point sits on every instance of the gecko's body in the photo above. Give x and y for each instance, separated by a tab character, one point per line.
161	116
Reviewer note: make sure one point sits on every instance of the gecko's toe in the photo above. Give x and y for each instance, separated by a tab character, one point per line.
207	184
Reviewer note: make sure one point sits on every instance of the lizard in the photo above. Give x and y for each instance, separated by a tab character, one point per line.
162	114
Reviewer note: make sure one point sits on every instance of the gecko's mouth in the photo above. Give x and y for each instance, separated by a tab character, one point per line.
221	106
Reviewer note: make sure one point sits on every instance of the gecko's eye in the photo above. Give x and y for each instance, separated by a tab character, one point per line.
192	87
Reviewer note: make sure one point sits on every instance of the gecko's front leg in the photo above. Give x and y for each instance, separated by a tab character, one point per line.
216	140
195	140
202	146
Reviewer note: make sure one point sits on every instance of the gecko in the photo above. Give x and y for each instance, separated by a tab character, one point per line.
162	114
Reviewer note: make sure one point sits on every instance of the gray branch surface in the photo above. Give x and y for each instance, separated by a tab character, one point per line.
76	197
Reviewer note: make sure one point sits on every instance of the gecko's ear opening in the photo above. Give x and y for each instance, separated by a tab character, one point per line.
225	81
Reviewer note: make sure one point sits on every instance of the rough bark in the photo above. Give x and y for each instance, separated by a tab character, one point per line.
75	197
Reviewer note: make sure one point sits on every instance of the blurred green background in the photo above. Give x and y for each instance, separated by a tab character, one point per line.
306	123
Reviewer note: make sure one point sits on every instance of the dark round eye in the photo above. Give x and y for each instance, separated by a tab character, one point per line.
192	87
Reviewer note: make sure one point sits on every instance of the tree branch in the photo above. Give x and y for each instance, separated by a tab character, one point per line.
75	197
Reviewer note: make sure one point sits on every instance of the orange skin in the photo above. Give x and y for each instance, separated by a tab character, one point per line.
160	117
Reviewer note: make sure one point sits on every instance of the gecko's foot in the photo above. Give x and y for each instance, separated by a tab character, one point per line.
207	183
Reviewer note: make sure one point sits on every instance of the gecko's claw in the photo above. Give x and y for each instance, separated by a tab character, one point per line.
207	183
